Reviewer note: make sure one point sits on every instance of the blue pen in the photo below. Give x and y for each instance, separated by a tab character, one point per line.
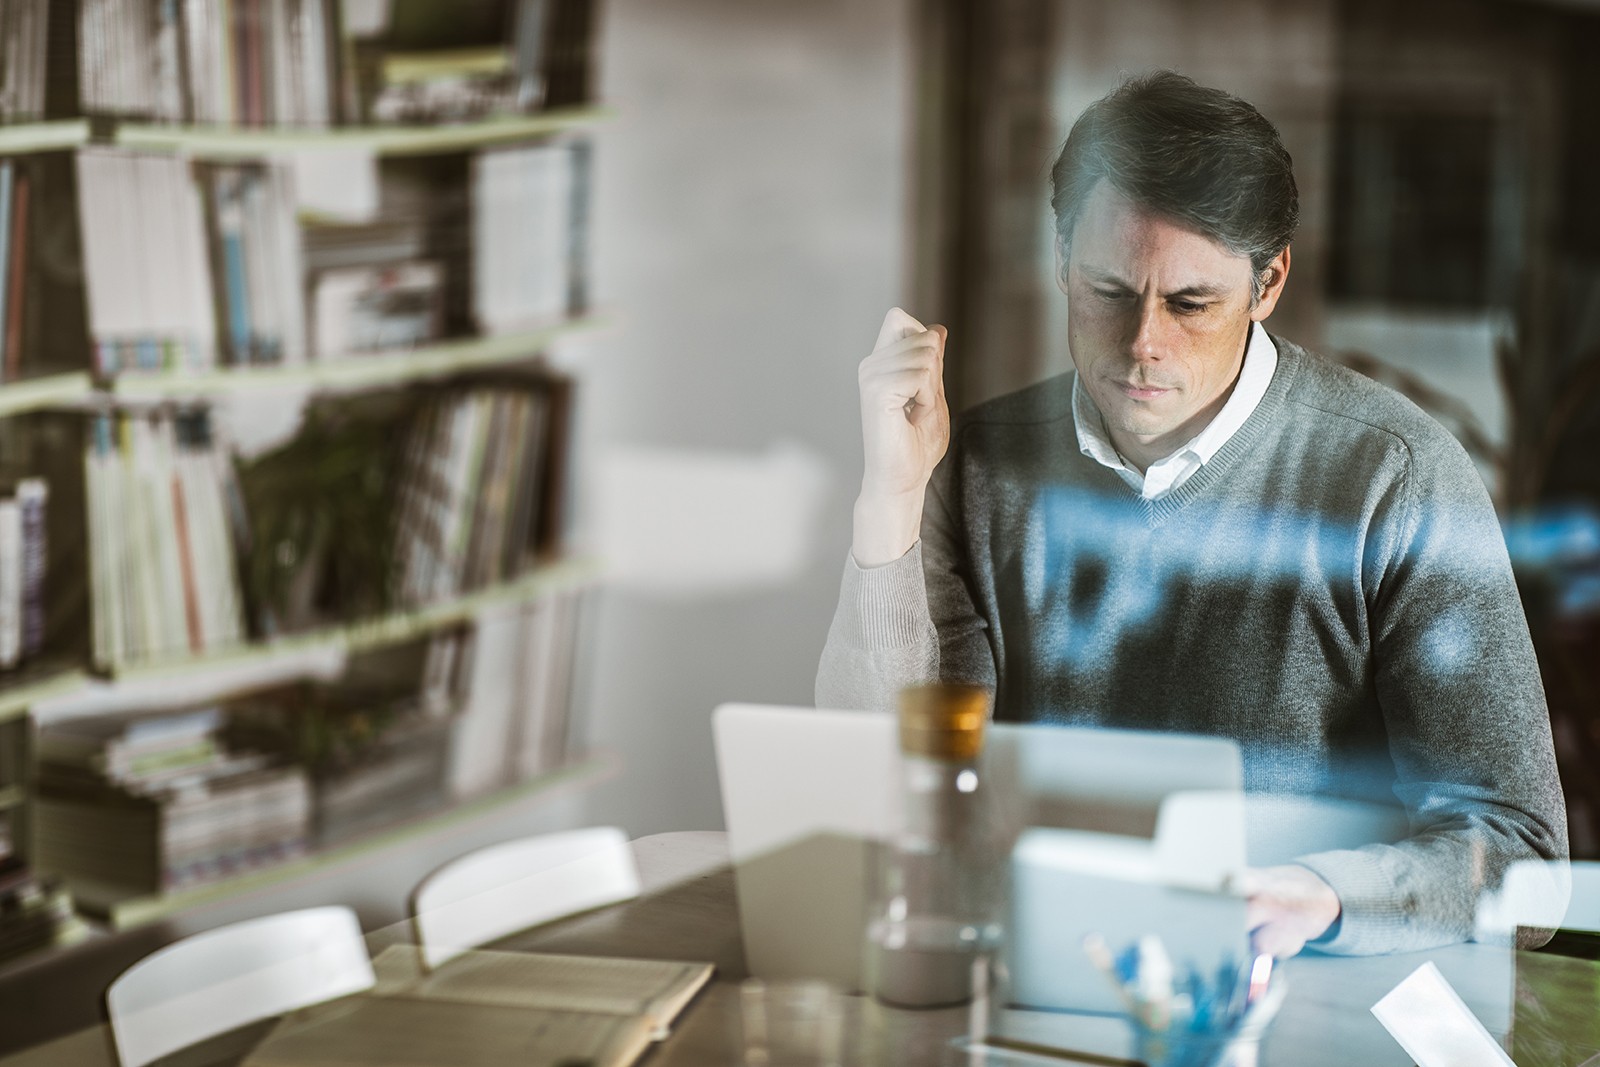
1201	998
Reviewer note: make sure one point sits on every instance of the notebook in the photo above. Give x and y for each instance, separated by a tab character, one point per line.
483	1008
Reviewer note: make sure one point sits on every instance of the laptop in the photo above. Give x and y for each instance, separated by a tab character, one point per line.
1127	833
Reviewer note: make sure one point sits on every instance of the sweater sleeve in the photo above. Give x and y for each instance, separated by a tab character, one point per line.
909	621
1465	713
882	637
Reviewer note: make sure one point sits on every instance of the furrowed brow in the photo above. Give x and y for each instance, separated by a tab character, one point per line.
1206	290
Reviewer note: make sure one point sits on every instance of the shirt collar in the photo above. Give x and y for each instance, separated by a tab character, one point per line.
1260	361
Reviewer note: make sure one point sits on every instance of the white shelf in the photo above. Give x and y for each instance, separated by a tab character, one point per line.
384	630
55	390
43	136
221	143
358	371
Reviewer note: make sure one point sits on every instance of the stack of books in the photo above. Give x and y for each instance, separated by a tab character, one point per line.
24	548
253	242
522	273
472	490
147	273
139	806
24	46
246	62
164	519
380	285
35	912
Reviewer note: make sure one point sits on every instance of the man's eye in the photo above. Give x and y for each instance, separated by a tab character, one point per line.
1110	294
1188	307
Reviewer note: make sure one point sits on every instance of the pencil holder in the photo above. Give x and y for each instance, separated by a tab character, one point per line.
1237	1045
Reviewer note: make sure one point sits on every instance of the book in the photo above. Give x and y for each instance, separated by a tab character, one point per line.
522	274
375	1031
491	1008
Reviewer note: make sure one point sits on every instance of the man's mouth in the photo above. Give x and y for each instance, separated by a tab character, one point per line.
1141	392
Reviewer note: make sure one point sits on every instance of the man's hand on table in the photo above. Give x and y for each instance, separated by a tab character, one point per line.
1286	907
905	428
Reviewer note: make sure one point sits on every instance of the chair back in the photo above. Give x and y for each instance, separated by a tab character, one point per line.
216	981
499	890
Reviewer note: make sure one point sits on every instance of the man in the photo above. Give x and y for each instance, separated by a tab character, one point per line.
1209	529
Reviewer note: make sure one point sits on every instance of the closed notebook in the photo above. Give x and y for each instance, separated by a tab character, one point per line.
491	1008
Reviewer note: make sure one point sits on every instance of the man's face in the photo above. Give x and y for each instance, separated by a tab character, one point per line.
1158	317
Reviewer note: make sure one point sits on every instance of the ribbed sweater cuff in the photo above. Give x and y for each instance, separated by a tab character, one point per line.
886	607
1373	914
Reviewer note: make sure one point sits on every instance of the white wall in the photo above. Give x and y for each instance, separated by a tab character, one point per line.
749	233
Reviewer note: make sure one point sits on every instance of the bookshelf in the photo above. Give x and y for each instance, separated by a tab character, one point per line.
177	285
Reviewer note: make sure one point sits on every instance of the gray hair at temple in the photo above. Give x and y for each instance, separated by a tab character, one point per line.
1200	156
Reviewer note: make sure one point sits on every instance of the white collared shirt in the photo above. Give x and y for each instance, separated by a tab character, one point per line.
1165	475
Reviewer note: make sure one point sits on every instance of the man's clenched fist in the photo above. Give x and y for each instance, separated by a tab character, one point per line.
905	427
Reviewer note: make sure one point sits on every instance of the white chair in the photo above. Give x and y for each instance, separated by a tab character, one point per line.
501	889
216	981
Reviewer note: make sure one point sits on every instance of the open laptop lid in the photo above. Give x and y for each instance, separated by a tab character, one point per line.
805	791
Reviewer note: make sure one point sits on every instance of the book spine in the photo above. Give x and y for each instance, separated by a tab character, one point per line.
10	583
6	188
17	281
33	495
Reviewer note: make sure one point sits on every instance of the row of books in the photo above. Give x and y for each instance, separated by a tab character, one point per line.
163	517
527	212
472	488
24	47
157	804
24	548
284	62
190	265
212	62
255	255
146	271
516	719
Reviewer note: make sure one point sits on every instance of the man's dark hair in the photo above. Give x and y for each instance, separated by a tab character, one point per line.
1200	156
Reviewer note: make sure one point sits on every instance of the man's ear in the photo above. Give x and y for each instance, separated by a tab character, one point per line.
1273	276
1062	255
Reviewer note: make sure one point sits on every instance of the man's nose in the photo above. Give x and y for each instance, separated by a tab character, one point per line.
1148	331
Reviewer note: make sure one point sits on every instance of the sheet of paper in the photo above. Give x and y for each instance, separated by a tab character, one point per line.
1435	1027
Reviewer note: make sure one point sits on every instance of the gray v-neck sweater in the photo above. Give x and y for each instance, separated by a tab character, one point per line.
1331	590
